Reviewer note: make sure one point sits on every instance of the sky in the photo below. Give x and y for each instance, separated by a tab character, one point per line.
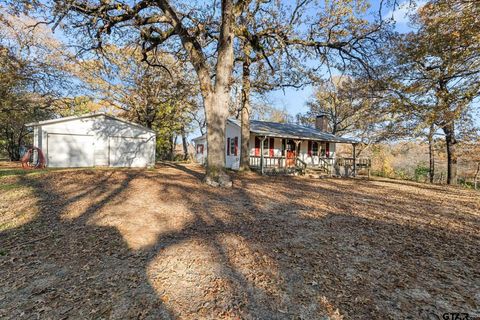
295	100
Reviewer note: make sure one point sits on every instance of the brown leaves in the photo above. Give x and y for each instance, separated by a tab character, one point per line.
282	247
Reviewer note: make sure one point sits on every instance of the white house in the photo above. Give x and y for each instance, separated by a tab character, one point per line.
95	139
200	149
278	145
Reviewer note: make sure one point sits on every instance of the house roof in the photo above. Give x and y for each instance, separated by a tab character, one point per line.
291	131
84	116
200	138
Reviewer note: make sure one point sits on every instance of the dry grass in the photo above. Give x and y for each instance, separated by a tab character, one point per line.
159	244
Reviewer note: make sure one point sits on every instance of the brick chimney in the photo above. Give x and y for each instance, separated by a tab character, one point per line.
321	122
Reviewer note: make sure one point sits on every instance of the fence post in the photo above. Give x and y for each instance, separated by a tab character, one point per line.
354	160
261	155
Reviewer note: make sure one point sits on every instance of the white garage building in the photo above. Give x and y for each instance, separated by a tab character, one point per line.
95	139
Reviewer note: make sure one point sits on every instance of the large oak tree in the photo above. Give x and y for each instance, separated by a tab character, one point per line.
438	69
204	34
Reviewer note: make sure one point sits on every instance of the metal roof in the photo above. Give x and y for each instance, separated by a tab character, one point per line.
83	116
292	131
200	138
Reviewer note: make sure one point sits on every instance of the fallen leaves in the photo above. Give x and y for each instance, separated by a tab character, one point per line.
159	244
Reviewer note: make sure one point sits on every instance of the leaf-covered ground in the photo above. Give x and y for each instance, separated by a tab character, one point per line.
159	244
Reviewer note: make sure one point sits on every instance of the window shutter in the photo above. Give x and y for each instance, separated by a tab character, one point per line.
228	146
257	146
236	145
309	148
272	142
327	149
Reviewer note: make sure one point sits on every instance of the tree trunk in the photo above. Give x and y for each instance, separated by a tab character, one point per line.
216	102
431	153
216	112
185	145
215	98
171	151
449	130
477	173
245	112
12	144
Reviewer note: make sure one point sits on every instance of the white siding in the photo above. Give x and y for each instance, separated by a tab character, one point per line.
201	157
128	152
101	128
314	159
232	160
303	155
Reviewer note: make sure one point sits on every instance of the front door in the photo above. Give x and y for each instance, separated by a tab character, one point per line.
290	153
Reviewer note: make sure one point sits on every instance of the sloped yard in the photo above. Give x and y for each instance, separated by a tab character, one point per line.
159	244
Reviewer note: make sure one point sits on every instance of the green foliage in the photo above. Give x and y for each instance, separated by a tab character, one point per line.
421	172
31	74
77	106
162	101
402	174
20	172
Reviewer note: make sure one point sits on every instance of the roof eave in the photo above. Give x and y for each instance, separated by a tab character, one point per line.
287	136
88	115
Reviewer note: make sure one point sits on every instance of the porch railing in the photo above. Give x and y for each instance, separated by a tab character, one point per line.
326	164
338	166
268	162
301	165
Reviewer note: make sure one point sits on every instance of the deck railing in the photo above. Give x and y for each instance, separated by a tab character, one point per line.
351	166
360	162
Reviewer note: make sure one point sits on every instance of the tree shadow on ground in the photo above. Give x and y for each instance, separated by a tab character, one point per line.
140	244
194	173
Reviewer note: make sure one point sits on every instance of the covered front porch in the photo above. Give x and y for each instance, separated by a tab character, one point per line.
284	155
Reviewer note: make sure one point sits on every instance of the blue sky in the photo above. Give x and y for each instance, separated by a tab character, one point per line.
295	100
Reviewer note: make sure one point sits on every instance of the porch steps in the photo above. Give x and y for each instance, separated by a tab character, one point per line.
316	172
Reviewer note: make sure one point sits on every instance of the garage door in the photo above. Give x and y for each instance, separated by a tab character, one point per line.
66	150
128	152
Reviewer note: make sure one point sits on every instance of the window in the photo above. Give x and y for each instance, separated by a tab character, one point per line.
199	148
325	149
266	147
322	151
291	145
315	148
232	147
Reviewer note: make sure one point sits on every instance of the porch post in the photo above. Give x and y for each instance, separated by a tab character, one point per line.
261	155
297	149
354	160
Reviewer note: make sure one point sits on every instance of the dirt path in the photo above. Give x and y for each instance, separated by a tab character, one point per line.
159	244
